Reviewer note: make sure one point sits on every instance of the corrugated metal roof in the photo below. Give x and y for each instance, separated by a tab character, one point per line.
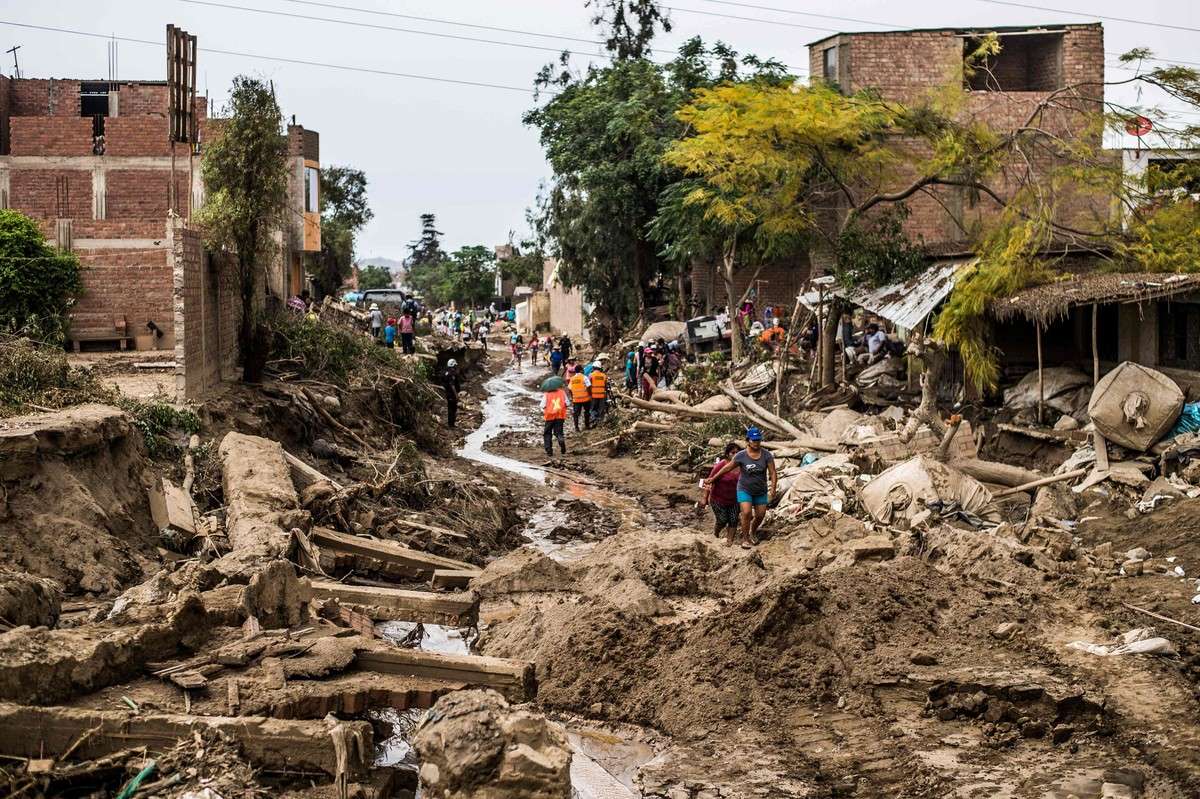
904	304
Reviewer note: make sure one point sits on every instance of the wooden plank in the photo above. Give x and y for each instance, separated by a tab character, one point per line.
456	610
271	744
454	578
513	678
421	564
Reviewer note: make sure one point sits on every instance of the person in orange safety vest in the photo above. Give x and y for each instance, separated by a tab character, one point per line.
581	397
554	412
599	401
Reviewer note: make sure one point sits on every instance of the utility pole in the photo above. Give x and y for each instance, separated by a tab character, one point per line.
16	66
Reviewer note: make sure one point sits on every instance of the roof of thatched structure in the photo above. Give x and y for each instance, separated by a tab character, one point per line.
1052	301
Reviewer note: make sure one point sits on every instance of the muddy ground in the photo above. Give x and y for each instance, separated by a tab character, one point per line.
940	668
823	663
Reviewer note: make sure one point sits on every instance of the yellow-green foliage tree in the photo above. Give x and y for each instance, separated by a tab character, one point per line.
795	160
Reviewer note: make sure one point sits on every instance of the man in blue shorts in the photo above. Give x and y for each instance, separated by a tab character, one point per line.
756	485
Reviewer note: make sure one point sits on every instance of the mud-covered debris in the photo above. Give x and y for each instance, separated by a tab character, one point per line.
1134	406
28	600
473	745
526	569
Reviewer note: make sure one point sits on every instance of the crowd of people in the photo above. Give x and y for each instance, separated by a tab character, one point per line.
650	367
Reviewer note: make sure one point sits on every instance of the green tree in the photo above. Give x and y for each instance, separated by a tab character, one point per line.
374	277
344	211
428	248
605	134
38	284
524	268
467	277
245	175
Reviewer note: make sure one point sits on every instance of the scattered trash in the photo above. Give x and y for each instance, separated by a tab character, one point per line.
1134	406
1138	641
906	489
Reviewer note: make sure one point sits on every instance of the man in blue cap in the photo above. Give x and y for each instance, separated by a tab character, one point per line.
754	493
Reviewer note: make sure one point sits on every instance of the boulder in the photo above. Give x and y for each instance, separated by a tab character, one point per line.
473	745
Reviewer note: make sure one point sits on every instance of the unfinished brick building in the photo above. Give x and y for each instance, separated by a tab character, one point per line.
92	163
1033	62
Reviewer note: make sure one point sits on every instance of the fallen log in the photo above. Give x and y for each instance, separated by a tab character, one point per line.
996	473
304	475
761	414
416	563
683	410
454	610
273	745
1056	478
513	678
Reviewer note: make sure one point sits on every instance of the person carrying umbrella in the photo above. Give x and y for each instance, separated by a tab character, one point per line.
554	414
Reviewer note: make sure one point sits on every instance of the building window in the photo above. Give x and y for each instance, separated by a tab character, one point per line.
1027	62
312	180
829	64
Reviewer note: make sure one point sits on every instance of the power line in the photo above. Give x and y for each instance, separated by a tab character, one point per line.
895	27
1129	20
431	33
797	13
750	19
374	26
280	59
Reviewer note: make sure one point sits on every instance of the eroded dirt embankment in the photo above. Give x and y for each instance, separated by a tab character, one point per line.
74	506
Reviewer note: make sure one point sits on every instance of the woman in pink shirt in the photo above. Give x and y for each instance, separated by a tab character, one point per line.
406	333
722	496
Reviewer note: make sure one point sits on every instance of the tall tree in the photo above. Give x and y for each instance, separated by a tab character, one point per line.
630	25
604	134
428	248
344	211
245	175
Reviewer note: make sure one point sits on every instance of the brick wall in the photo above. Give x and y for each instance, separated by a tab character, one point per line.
780	283
207	309
34	192
138	135
907	65
135	284
141	99
50	135
142	193
45	97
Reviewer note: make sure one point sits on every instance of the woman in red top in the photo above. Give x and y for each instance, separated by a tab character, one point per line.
722	496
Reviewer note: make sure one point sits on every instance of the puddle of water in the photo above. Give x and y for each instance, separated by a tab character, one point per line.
500	414
434	638
396	751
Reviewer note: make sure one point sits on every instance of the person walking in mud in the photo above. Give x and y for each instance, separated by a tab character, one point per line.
721	496
452	385
581	398
756	485
598	405
554	416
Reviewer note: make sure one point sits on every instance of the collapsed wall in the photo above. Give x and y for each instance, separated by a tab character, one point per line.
74	506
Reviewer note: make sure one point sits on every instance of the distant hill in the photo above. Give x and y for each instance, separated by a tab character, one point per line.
393	265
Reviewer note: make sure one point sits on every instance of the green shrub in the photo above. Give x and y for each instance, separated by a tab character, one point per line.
36	376
37	284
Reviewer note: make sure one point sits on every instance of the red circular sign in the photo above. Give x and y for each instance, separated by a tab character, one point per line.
1138	126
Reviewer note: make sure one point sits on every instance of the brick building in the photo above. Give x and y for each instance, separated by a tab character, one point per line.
92	163
908	66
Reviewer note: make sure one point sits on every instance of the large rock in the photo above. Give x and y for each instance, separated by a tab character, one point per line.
262	503
472	745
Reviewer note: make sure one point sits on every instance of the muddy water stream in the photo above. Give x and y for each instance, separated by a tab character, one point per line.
510	408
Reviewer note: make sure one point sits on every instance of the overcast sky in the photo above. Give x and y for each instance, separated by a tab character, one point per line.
460	151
